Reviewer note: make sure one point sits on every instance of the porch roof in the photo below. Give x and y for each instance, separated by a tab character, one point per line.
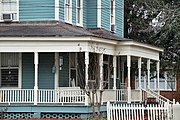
50	29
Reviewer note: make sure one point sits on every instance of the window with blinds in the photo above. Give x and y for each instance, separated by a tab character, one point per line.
67	10
9	69
79	12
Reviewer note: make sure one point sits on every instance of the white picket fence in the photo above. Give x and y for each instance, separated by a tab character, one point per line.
138	112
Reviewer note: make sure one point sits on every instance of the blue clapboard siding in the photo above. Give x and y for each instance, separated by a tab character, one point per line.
46	77
64	72
74	11
105	14
36	10
91	13
119	21
85	13
27	70
61	10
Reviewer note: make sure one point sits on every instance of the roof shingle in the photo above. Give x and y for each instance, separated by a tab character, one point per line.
47	29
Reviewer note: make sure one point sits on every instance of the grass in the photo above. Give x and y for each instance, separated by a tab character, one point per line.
96	119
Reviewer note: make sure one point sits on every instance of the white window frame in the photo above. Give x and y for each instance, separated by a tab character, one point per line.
112	16
68	11
80	15
9	12
19	73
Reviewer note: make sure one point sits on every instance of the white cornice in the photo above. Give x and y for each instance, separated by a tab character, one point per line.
80	39
134	43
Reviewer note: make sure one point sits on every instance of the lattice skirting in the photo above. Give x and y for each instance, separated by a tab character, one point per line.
59	115
15	115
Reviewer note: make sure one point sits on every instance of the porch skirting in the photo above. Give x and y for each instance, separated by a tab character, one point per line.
44	111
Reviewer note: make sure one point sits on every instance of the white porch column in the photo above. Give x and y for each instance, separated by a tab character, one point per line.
148	73
122	70
139	73
56	68
101	71
129	79
36	62
115	71
86	75
157	69
139	77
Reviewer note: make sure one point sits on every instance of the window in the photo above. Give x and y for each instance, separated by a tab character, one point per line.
79	12
73	69
112	15
9	10
68	11
9	69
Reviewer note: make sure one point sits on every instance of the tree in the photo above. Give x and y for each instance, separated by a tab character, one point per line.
156	22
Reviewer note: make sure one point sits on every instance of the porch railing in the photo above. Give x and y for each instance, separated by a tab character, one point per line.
71	96
121	95
159	98
17	96
56	96
44	96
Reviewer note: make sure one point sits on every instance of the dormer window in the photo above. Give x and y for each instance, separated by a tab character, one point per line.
112	18
68	11
79	12
9	10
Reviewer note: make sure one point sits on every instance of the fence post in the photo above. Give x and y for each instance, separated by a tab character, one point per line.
108	110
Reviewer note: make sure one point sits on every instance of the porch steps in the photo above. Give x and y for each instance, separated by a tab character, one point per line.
149	94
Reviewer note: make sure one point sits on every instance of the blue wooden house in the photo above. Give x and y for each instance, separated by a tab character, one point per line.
54	52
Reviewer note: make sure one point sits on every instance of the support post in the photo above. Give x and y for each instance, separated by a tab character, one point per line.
36	62
157	69
129	79
115	71
56	70
139	77
101	71
122	71
86	76
148	73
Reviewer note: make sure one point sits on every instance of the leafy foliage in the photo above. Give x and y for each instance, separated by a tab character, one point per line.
156	22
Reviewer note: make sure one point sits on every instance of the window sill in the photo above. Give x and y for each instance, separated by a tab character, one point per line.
68	22
9	21
9	88
79	25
